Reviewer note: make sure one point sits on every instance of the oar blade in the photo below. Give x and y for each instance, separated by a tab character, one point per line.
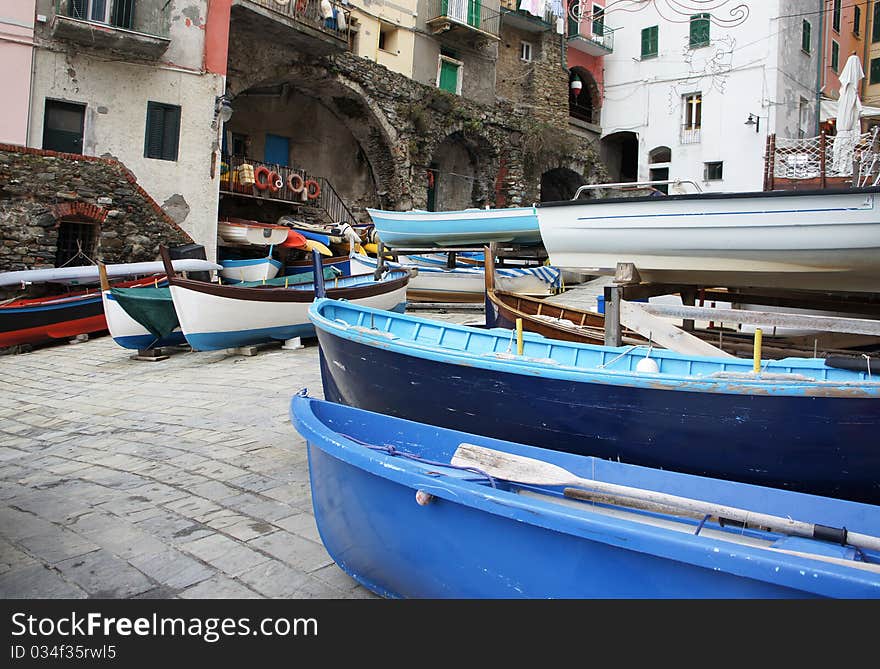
511	467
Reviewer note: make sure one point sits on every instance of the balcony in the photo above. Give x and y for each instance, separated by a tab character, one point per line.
274	19
463	17
690	134
523	20
138	28
591	37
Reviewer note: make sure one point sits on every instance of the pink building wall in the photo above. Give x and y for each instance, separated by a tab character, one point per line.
16	56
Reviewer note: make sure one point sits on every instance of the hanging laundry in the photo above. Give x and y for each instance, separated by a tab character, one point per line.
530	6
556	8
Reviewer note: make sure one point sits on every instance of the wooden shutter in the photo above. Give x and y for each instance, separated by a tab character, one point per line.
699	30
163	131
573	22
649	41
474	13
171	133
448	76
806	37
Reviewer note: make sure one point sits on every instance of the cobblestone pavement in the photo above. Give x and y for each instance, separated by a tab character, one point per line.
180	478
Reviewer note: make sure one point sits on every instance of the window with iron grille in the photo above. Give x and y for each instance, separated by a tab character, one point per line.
699	30
163	131
713	171
74	236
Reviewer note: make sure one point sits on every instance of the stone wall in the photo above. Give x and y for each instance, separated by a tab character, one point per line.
39	189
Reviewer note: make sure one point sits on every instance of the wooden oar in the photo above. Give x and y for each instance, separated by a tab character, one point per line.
520	469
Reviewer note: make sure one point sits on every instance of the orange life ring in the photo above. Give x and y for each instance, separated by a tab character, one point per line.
258	182
299	180
308	185
276	183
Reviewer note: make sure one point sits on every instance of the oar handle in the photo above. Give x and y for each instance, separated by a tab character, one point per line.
776	523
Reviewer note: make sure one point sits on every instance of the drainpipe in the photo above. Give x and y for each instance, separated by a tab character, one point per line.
819	67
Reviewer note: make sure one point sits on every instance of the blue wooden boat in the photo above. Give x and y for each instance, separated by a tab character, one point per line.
395	515
420	229
798	424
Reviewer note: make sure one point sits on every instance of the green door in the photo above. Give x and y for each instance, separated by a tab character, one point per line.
448	76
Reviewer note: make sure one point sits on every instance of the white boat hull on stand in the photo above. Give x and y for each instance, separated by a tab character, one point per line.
818	240
128	333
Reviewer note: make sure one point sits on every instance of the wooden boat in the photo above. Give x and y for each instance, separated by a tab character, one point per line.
798	424
825	240
242	231
250	269
342	263
466	284
421	229
215	317
44	319
407	510
89	274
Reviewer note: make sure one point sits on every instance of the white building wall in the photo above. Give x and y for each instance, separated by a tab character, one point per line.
754	68
116	90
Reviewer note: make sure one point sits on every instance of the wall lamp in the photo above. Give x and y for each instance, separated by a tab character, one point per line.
754	120
222	108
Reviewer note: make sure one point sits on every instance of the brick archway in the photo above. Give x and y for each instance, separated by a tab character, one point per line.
79	210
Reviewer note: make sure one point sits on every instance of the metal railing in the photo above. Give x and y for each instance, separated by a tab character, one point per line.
148	17
309	13
595	32
690	134
327	199
466	12
584	113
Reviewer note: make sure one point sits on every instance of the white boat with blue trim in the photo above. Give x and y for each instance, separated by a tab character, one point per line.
813	240
420	229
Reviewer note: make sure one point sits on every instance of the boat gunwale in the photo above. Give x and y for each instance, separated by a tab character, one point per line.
531	366
703	552
740	195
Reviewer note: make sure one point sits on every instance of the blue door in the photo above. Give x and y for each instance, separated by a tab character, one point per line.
277	150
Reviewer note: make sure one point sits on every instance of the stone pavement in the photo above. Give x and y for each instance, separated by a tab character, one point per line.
180	478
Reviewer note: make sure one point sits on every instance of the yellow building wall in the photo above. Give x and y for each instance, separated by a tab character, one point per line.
398	20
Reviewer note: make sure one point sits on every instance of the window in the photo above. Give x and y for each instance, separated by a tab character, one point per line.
388	38
699	30
875	71
835	16
118	13
835	55
660	154
598	20
574	11
239	145
693	111
713	171
875	24
63	126
857	20
806	36
449	74
650	41
660	174
163	130
525	51
73	236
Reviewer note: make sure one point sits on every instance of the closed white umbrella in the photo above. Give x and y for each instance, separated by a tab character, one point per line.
849	109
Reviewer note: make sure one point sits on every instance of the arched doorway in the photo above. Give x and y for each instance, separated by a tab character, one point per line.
457	173
584	99
620	153
559	184
659	159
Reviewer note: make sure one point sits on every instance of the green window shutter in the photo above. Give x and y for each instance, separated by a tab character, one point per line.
875	24
573	25
835	55
875	71
474	11
806	36
699	30
448	76
598	21
162	132
649	41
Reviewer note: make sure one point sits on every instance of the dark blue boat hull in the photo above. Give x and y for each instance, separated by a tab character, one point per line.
821	445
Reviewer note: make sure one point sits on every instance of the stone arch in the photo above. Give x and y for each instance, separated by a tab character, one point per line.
559	184
660	154
463	166
586	104
620	153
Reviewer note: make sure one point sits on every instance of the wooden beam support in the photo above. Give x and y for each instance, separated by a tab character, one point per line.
613	332
635	316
